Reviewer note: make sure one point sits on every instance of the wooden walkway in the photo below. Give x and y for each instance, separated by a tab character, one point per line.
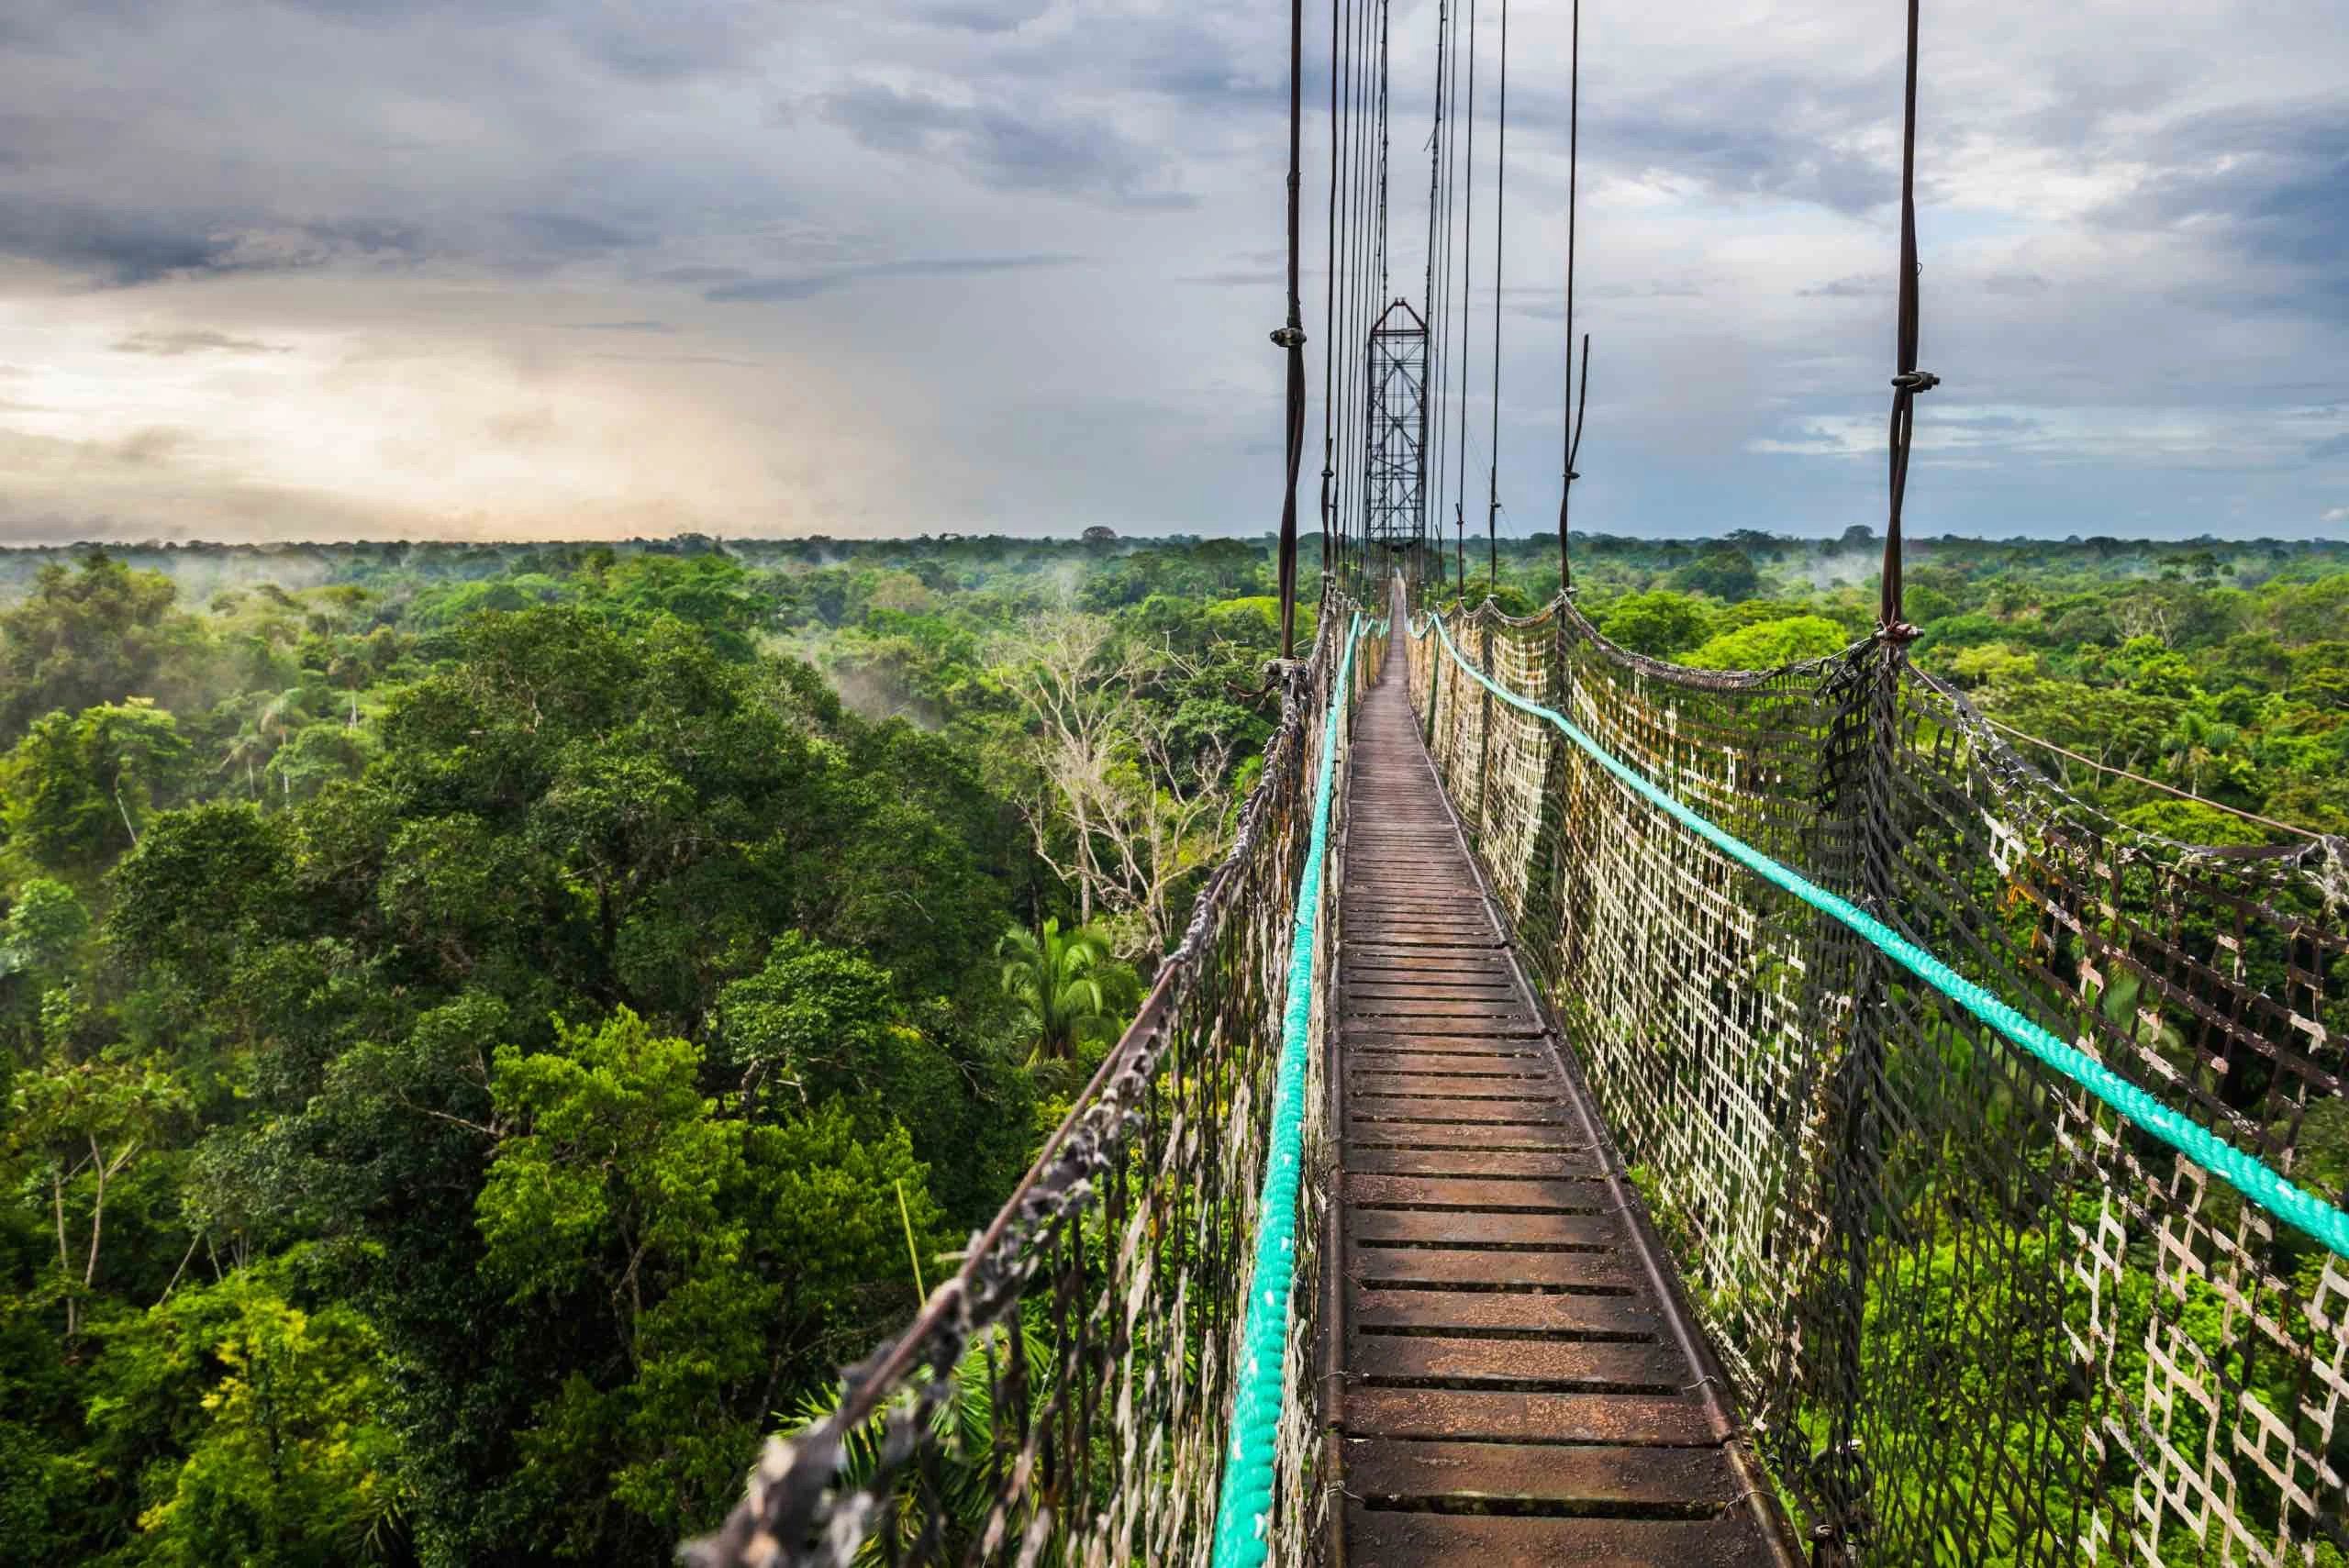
1514	1381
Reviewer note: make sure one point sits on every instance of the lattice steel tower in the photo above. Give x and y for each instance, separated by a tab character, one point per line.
1395	468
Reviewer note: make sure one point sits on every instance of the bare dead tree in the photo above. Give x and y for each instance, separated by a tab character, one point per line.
1113	809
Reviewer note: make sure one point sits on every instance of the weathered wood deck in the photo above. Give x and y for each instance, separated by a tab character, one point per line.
1515	1384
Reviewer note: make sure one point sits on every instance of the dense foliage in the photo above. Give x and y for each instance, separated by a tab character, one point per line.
484	1031
2219	668
487	1031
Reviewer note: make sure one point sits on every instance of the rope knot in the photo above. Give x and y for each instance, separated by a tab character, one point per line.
1914	381
1288	337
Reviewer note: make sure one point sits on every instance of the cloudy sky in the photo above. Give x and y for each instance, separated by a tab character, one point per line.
539	268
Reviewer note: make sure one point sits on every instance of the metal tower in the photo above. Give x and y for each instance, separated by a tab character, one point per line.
1395	465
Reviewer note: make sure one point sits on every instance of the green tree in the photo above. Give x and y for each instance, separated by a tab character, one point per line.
86	636
1659	623
288	1465
1725	573
78	788
618	1192
1063	982
1770	644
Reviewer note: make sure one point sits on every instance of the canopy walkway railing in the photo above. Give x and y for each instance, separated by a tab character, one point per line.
1065	1397
1975	1314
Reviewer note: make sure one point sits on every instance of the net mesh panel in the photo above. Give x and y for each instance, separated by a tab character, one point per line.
1065	1397
1972	1315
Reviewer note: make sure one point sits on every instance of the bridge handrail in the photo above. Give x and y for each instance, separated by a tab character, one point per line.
806	1502
1243	1513
2247	1173
1976	1312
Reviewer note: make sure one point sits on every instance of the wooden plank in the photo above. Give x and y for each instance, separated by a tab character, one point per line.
1524	1064
1471	1156
1378	1267
1661	1482
1422	1107
1389	1538
1458	1085
1381	1038
1588	1196
1501	1416
1374	1129
1566	1313
1484	1009
1555	1365
1446	1228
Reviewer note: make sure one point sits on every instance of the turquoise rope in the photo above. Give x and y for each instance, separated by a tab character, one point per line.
2294	1204
1246	1508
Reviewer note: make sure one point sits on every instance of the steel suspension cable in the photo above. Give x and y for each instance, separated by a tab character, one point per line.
1346	145
1439	273
1330	562
1290	335
1460	498
1907	380
1441	314
1357	289
1570	437
1435	169
1342	272
1381	153
1500	220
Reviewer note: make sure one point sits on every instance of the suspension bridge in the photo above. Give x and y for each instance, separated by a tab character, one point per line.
1604	1113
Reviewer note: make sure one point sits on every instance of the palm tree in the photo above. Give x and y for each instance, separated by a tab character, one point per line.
1057	976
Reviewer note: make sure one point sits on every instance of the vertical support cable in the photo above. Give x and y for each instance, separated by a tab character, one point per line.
1382	148
1501	219
1332	561
1467	290
1864	776
1440	307
1435	172
1907	380
1358	285
1291	337
1571	435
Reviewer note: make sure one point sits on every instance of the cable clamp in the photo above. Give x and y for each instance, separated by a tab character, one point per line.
1916	380
1288	337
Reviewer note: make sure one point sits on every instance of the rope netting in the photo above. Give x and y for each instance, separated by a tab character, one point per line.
1065	1397
1975	1313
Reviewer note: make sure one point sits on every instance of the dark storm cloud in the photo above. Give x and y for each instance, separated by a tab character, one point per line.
2274	180
805	285
126	248
1012	147
564	236
1741	133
